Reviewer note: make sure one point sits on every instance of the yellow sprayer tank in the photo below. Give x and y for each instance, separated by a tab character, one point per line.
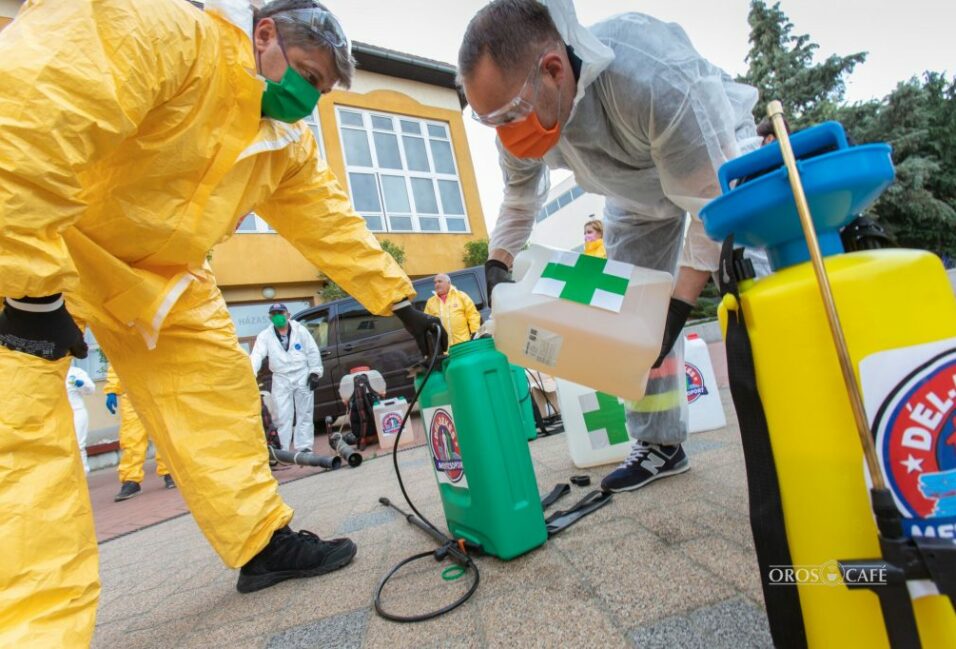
898	314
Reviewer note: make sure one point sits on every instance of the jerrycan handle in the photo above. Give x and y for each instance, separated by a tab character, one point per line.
812	141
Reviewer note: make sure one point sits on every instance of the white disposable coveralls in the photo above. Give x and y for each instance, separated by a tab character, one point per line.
290	378
652	121
79	383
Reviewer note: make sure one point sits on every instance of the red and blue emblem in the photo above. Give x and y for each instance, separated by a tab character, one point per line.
391	423
695	383
443	440
915	431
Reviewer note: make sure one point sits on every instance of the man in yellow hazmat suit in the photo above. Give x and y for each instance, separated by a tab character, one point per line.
134	136
455	309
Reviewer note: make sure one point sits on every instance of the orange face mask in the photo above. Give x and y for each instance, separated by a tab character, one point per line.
527	138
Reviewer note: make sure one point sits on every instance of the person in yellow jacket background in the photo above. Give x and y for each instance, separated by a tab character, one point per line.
136	135
133	442
455	309
594	238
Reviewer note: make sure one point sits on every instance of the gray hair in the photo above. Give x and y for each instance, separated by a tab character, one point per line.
295	34
444	277
511	32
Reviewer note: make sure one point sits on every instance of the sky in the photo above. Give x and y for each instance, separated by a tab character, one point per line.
902	38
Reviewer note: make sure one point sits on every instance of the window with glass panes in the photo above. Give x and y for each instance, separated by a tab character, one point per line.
401	172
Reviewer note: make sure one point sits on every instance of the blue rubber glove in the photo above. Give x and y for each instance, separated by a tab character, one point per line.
111	403
78	383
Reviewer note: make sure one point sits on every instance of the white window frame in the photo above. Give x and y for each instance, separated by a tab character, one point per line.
405	173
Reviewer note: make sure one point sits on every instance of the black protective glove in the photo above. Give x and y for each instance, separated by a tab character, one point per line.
314	381
495	273
41	327
423	328
677	313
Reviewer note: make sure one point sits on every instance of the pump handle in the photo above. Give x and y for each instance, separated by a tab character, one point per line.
828	135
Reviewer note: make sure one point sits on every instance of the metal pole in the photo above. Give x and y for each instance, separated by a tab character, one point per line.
775	113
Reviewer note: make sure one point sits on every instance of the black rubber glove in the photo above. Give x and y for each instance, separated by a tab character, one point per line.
495	273
422	326
313	381
677	313
41	327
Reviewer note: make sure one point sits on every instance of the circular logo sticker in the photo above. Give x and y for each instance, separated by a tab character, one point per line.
298	346
695	383
391	422
915	431
443	441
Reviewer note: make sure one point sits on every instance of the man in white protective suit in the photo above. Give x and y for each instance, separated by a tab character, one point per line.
640	117
296	369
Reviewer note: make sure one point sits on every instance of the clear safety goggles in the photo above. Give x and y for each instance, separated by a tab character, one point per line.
321	23
518	108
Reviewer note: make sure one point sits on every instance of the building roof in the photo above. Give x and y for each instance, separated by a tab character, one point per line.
373	58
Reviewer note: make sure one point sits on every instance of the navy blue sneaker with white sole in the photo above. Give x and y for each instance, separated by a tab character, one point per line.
645	464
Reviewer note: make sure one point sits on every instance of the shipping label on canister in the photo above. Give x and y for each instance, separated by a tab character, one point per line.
443	445
543	345
910	399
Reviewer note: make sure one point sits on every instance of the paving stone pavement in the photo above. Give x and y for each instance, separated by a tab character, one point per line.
671	565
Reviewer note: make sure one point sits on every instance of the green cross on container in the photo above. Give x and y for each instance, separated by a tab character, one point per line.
584	278
610	417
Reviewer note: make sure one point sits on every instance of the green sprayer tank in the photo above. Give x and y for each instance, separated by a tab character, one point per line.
478	442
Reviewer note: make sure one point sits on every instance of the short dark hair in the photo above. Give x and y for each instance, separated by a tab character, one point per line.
511	32
298	35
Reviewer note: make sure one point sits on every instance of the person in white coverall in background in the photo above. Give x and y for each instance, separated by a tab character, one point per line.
296	369
79	383
640	117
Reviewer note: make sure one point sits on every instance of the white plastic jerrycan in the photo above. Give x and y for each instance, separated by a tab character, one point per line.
704	408
595	425
584	319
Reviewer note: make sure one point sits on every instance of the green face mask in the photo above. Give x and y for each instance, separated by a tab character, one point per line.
291	99
278	320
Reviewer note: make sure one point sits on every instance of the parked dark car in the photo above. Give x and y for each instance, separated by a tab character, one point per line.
349	336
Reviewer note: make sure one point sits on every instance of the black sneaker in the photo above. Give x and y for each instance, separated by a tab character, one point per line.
127	491
291	555
168	479
646	463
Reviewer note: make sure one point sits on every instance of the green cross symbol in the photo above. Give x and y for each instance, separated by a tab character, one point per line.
610	417
584	278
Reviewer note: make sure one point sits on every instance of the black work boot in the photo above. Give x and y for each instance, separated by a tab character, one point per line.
127	491
169	482
291	555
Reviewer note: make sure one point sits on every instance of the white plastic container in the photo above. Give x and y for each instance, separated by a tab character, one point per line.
705	411
388	418
608	343
594	424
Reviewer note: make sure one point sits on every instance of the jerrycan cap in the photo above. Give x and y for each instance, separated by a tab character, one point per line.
693	336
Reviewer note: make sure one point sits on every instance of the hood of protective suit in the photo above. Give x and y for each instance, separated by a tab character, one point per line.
238	12
595	56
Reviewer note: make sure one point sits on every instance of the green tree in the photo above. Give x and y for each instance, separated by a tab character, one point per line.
781	66
332	291
918	119
476	252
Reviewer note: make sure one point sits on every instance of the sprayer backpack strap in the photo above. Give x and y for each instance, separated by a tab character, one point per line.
766	507
564	518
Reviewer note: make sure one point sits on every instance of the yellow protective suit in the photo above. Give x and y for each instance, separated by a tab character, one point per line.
133	439
457	313
595	248
131	143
